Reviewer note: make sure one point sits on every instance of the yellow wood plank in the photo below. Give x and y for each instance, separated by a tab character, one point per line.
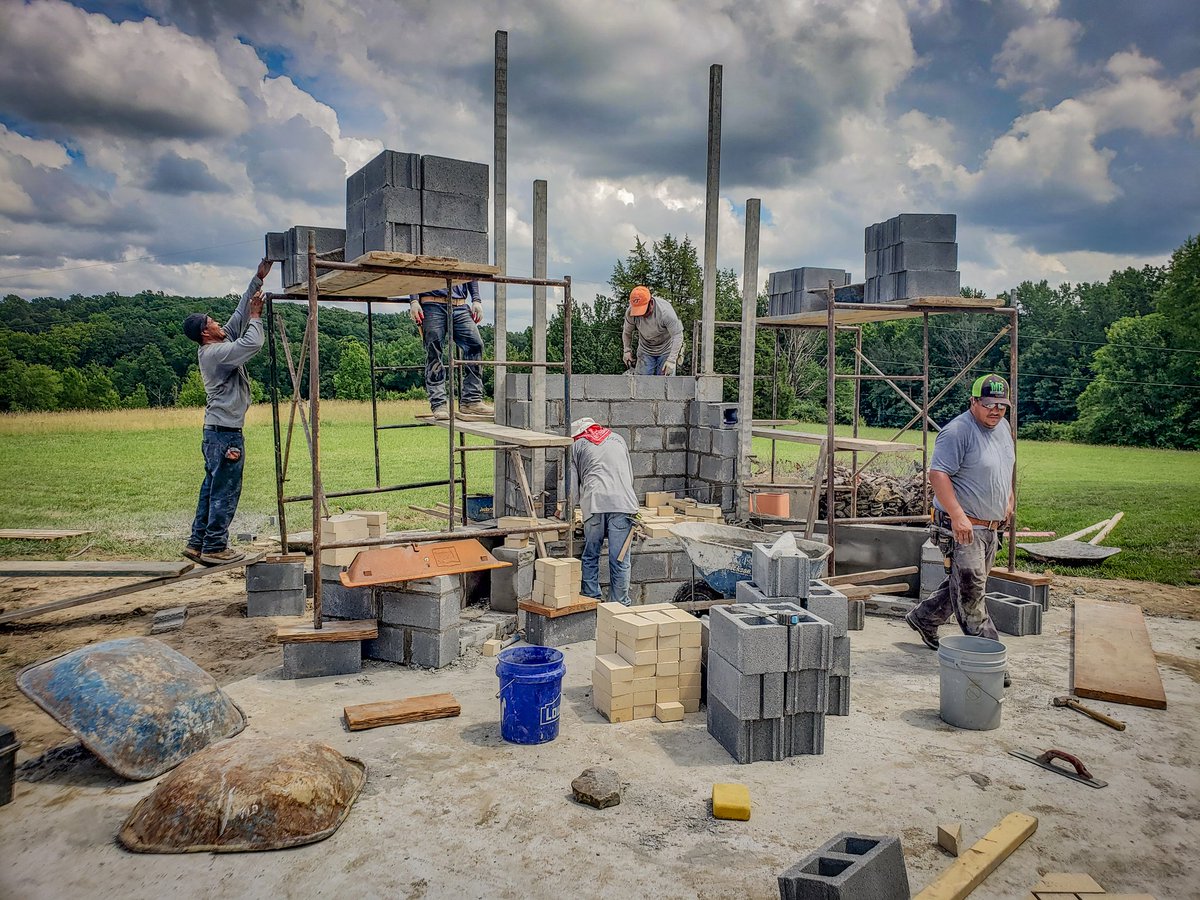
506	434
399	712
862	445
1067	883
302	633
1114	660
39	534
968	871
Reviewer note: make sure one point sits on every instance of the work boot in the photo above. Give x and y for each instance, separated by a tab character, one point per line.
442	413
929	637
193	553
220	557
477	411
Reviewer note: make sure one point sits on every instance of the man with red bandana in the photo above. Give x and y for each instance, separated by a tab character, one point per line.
602	479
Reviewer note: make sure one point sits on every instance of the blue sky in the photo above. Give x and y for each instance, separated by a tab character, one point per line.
1063	133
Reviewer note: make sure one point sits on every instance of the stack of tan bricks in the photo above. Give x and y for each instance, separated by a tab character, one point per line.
663	509
516	541
647	662
377	521
556	582
355	525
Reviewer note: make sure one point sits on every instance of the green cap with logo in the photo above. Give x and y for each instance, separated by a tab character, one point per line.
991	387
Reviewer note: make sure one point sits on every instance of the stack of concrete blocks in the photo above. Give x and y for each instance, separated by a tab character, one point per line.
295	250
911	255
1024	589
430	205
276	587
849	867
1014	615
376	519
788	291
337	600
933	568
419	622
512	583
647	663
556	582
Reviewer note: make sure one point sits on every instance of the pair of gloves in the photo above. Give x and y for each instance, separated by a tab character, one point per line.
667	369
418	314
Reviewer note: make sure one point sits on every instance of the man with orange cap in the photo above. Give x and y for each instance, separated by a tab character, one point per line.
660	334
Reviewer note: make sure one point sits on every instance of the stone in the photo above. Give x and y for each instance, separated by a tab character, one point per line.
597	787
171	619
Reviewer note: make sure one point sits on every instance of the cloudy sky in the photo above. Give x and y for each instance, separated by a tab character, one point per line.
149	145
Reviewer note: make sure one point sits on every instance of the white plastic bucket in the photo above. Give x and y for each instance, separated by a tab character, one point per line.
972	681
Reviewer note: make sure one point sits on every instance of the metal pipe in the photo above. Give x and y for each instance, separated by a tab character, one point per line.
857	413
568	346
830	415
433	274
746	361
511	363
774	396
422	537
314	404
451	396
925	412
362	492
879	377
280	506
1014	374
374	403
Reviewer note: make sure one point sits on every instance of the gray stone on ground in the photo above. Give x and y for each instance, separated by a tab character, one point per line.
597	787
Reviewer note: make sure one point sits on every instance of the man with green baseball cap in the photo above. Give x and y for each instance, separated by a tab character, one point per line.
971	474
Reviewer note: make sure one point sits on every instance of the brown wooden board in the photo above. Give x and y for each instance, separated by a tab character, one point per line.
38	534
863	445
583	604
847	315
304	633
1029	578
401	282
83	568
504	434
398	712
1114	660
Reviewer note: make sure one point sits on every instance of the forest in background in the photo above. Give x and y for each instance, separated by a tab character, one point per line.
1113	362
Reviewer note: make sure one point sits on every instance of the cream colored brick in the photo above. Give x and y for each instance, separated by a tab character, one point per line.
668	712
691	704
689	667
688	624
668	695
668	668
667	627
341	557
688	653
516	542
671	654
644	671
613	668
644	684
689	681
606	643
668	641
641	698
373	516
634	627
620	715
655	499
644	712
637	657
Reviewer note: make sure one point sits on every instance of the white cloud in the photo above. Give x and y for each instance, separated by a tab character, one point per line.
47	154
1035	53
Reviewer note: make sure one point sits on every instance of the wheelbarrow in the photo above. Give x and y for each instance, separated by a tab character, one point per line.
722	555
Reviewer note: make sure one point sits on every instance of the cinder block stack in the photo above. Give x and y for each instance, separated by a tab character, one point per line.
430	205
647	663
276	587
911	255
337	600
556	582
788	290
1014	615
419	622
295	250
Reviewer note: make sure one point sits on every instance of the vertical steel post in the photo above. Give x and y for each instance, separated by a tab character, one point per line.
568	500
774	398
1014	377
314	414
858	345
500	256
925	410
831	418
279	504
374	404
712	192
746	369
537	375
451	398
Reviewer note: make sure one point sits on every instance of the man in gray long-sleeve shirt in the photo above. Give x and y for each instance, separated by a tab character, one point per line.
602	478
660	334
222	357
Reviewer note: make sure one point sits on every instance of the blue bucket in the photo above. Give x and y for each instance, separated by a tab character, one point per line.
480	507
530	693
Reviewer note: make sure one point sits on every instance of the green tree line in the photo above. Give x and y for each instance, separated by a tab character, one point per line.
1114	362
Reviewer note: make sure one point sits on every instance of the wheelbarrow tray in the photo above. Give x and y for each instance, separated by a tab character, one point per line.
1065	551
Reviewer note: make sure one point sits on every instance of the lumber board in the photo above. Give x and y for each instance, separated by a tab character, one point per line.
1032	579
402	281
581	604
1114	660
399	712
863	591
862	445
505	434
910	310
335	630
83	568
39	534
872	575
56	605
979	861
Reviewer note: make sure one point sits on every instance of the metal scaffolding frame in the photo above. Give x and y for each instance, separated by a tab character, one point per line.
456	444
849	317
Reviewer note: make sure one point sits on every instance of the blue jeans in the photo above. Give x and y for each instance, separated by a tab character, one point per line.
470	346
220	491
649	365
616	527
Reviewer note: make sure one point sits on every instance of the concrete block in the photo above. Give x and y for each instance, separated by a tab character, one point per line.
675	437
429	611
602	387
432	649
661	591
849	866
928	284
275	576
754	644
741	694
289	602
454	176
405	170
1039	593
829	604
804	734
388	647
725	442
679	387
543	631
648	387
275	246
773	692
392	204
332	573
650	439
745	741
857	614
634	413
782	572
806	692
514	582
749	592
672	412
463	212
717	468
941	227
839	695
642	464
924	256
699	440
709	388
314	659
1013	615
649	567
468	246
339	602
670	463
841	656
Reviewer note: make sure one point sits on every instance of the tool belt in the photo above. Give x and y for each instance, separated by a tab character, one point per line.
456	301
942	520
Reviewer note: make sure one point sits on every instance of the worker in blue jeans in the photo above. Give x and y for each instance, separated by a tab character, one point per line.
602	478
438	319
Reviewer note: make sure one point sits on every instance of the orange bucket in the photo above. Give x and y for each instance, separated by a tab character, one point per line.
771	504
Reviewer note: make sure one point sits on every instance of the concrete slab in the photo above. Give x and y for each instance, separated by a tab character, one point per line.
440	793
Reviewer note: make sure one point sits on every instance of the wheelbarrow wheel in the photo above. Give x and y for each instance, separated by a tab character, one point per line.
696	590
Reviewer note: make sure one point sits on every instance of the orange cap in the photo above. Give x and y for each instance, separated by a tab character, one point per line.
639	300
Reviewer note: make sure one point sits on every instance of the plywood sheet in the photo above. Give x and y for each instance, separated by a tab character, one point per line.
506	434
912	309
80	568
1114	660
399	712
303	633
400	282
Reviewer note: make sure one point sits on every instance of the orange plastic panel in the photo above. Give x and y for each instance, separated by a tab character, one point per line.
414	561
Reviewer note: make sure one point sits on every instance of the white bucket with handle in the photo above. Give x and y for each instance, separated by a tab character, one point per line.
972	681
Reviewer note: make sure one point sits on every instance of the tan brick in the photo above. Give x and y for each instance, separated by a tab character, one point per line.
373	516
668	695
613	668
644	671
689	681
620	715
671	654
606	644
642	698
690	652
668	712
656	499
644	684
668	668
644	712
691	704
689	667
637	657
634	627
668	641
667	626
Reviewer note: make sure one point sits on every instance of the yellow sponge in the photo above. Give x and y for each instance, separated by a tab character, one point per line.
731	801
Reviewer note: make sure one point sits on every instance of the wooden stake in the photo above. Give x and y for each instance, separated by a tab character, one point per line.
969	871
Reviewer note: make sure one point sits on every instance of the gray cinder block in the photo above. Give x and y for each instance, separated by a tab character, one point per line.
463	212
275	246
741	694
773	695
914	284
648	387
829	604
649	439
543	631
454	176
849	866
941	227
467	246
857	615
388	647
670	463
393	204
275	576
746	741
1039	593
432	649
806	692
804	734
514	582
649	567
749	592
839	695
841	656
810	638
435	612
754	644
340	602
925	256
675	438
275	603
1013	615
312	659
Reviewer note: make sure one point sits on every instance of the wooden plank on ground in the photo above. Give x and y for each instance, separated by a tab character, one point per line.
304	633
863	591
872	575
39	534
1113	657
398	712
581	604
505	434
968	871
1030	578
83	568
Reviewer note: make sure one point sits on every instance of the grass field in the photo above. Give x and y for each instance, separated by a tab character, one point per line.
132	476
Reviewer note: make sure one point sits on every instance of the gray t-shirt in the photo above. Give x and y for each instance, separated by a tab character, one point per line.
979	462
601	476
660	332
226	383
